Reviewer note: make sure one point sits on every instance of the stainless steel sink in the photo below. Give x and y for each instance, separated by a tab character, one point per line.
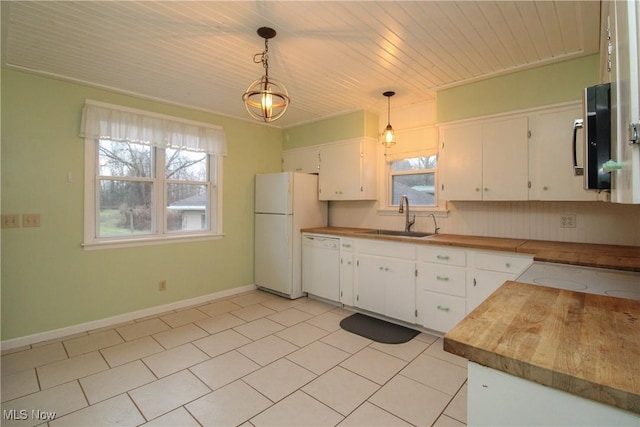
417	234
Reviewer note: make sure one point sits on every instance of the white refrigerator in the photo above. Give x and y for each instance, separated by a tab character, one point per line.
284	203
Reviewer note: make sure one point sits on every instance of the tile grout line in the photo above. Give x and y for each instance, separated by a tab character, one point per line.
313	315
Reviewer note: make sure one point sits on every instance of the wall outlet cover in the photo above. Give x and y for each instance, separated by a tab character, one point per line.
10	220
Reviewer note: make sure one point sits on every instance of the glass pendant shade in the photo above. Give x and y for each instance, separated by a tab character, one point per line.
388	136
266	99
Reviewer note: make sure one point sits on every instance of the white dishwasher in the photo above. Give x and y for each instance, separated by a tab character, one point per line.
321	266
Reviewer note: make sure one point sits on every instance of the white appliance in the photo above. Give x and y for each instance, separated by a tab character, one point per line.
284	203
321	261
614	283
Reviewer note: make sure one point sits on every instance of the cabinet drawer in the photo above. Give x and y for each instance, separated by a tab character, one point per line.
502	263
445	279
441	312
386	249
346	244
442	255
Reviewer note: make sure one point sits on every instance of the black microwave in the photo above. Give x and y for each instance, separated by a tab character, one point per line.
597	136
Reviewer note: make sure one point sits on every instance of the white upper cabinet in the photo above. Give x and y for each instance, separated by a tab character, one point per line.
460	162
305	160
551	155
504	159
348	170
485	160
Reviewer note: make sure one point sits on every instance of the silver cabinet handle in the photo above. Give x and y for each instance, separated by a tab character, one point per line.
443	308
443	257
442	278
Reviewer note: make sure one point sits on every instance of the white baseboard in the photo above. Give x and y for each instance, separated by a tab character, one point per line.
121	318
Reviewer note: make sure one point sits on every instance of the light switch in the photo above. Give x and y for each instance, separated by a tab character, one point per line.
10	221
31	220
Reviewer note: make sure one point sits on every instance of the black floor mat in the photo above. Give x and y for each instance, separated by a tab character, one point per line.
377	329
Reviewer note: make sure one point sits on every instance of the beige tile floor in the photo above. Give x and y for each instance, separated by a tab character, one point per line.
254	359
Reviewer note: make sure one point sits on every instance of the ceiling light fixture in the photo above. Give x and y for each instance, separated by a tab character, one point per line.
388	135
265	99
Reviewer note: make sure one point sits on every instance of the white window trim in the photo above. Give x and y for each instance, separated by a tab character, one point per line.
440	210
91	242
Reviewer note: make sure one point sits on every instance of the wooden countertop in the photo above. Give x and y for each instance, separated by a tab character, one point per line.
585	254
584	344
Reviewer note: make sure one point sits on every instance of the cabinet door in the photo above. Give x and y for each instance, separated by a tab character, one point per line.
346	278
483	283
551	154
370	292
340	171
505	160
303	160
400	289
461	162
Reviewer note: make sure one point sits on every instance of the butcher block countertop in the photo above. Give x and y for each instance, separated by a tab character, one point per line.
585	254
584	344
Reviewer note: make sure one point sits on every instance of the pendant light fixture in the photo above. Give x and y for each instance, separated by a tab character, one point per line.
388	135
265	99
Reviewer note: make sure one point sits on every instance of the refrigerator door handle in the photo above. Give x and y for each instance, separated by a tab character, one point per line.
287	233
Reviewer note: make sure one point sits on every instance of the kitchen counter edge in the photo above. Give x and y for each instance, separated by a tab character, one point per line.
500	338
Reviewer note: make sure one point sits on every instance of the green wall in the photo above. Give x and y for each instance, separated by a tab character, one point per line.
336	128
48	280
549	84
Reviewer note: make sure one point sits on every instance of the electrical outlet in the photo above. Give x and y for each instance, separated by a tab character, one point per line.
162	286
568	221
10	221
31	220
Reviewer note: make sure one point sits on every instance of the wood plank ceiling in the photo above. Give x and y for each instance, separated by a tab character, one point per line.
333	57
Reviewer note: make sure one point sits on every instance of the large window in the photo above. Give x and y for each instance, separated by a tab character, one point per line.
153	181
414	177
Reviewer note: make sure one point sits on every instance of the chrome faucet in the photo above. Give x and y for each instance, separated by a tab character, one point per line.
408	224
435	224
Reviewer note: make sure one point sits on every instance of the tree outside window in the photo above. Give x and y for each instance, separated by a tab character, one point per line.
414	177
132	176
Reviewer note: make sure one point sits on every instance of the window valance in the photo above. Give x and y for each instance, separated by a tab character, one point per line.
115	123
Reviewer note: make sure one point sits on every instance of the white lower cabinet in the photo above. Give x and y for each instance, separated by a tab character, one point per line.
440	312
385	279
489	270
441	287
370	283
430	285
496	398
347	264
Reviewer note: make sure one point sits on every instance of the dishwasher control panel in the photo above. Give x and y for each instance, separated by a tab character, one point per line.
321	241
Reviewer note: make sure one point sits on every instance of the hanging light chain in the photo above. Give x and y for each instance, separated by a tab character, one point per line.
263	57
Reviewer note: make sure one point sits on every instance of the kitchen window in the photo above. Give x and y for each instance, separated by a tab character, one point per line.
150	178
414	176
